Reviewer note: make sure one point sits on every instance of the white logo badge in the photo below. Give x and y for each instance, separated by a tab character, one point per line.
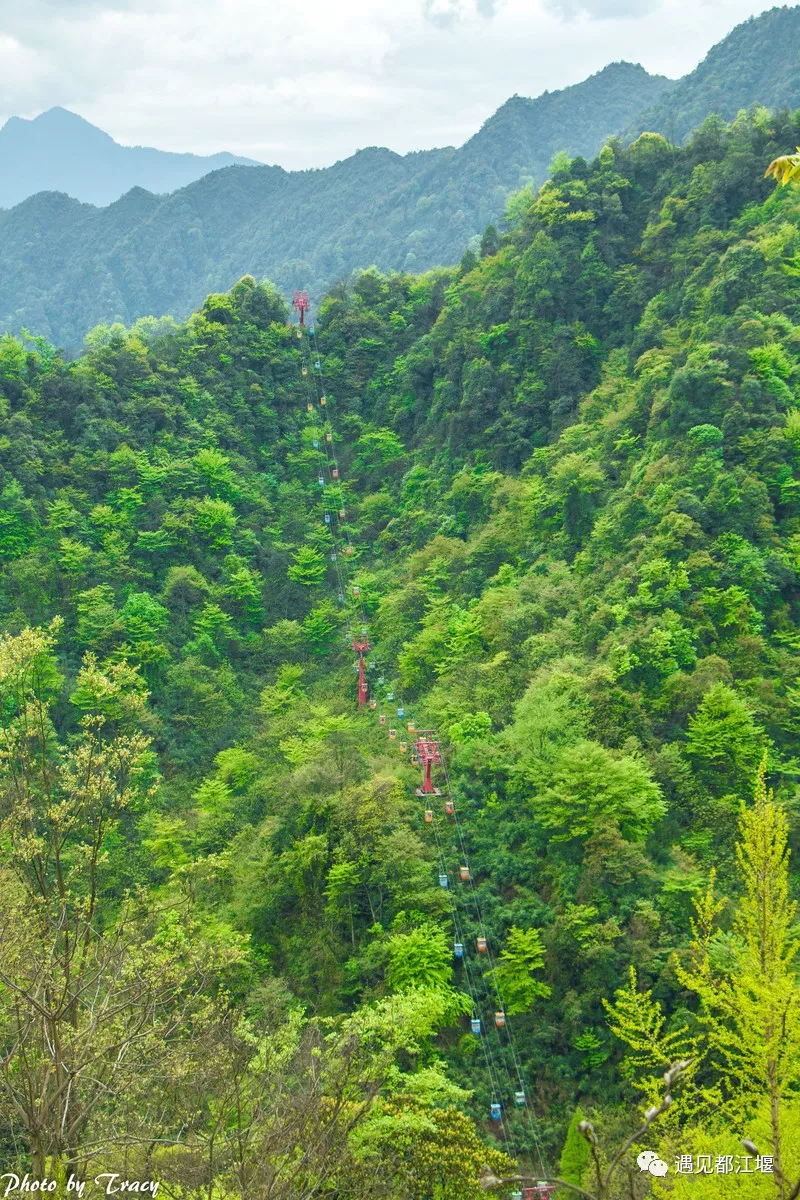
648	1160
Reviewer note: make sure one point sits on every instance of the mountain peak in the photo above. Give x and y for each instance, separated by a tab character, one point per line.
742	70
59	150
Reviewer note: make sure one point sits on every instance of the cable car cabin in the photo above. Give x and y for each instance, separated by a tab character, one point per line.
401	712
327	518
519	1099
404	747
458	947
428	816
373	704
382	719
334	556
315	444
305	370
328	437
323	400
318	364
482	947
449	807
335	472
463	874
516	1195
412	727
414	758
392	734
495	1111
299	334
348	551
443	881
356	590
475	1024
310	406
500	1019
321	481
390	696
342	514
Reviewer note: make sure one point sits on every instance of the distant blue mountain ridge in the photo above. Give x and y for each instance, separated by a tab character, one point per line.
58	151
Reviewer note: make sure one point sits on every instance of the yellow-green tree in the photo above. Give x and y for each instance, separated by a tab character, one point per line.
785	169
750	1004
744	1077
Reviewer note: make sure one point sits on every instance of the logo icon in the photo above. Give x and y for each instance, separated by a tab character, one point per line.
648	1160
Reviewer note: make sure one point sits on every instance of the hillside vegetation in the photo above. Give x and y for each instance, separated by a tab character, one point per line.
572	470
65	266
745	68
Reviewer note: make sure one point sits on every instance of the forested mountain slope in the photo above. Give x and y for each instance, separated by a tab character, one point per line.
66	266
572	475
745	68
60	152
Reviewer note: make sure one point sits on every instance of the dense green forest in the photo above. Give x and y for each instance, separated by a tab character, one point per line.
65	266
571	484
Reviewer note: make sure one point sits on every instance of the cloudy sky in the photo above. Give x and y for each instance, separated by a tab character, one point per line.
305	84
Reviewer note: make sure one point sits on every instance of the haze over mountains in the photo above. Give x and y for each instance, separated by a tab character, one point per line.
65	266
60	152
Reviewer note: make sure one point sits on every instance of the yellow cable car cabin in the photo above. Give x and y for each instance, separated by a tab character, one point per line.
392	734
449	807
500	1019
429	816
463	874
482	947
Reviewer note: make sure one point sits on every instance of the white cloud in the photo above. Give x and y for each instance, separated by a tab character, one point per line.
306	84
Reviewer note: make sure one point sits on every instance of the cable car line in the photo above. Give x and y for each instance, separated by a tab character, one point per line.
493	975
426	751
496	1111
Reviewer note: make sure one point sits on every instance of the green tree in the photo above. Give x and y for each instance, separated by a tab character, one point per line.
574	1160
308	567
521	955
589	784
490	242
750	1006
723	739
